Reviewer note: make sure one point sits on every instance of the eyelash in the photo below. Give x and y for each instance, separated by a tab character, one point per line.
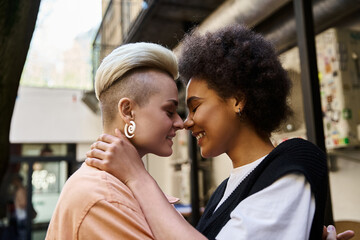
194	110
170	114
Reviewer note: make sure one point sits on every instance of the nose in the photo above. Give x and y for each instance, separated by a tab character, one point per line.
178	123
188	123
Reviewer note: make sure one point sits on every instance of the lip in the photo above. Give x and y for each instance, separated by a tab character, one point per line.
171	136
170	141
196	135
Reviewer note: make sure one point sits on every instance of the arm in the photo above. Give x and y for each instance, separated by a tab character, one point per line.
120	158
20	198
169	224
128	167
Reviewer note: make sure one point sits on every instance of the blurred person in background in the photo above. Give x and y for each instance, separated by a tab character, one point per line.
20	203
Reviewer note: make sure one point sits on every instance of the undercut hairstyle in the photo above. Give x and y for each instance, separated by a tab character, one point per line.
123	74
237	62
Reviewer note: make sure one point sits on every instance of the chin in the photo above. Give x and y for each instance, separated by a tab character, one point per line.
203	154
206	154
164	153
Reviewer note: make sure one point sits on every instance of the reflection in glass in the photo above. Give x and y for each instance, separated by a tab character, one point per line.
48	179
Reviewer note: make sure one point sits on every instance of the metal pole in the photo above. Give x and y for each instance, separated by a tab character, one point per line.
310	82
309	72
194	181
29	201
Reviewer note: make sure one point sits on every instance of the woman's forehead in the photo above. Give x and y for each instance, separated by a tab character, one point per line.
196	86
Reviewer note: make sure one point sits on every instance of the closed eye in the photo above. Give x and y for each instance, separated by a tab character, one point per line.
194	110
170	113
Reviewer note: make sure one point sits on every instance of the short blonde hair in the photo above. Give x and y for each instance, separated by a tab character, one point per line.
130	56
121	74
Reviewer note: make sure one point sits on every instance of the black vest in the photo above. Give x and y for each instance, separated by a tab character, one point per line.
295	155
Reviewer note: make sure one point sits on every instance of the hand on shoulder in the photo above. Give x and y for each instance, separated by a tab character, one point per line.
116	155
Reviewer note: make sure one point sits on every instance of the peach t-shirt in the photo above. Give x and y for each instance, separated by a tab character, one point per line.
96	205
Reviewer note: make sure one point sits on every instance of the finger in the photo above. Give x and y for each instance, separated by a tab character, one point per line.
345	235
122	137
324	234
331	233
100	145
93	162
107	138
119	134
96	153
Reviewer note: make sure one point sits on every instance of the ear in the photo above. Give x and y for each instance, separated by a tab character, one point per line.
238	104
125	109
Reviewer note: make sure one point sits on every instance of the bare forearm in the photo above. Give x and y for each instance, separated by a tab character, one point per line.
165	222
116	155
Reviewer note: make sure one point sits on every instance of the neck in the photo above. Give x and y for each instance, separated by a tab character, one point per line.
110	129
248	147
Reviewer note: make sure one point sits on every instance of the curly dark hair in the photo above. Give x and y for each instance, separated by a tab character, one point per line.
237	62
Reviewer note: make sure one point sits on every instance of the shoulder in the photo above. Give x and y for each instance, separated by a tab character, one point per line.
94	183
89	190
298	153
299	145
87	186
302	156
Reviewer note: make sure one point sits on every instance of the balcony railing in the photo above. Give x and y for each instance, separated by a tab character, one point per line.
115	25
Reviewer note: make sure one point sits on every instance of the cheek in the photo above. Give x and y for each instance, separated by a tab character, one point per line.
202	117
144	130
166	123
158	127
211	119
219	129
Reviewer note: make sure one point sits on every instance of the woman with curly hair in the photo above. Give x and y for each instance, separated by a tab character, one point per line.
236	96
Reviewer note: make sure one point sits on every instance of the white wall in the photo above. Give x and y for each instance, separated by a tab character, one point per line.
44	115
173	183
345	195
222	166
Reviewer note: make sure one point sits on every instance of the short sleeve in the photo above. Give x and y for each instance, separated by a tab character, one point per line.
113	220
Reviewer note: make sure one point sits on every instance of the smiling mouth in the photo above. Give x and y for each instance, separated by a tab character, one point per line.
200	135
170	137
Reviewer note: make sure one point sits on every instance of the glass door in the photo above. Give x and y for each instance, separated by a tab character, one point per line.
36	175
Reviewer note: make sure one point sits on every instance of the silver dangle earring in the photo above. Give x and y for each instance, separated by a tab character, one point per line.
239	112
129	130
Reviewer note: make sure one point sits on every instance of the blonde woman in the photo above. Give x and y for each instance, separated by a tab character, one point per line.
136	89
